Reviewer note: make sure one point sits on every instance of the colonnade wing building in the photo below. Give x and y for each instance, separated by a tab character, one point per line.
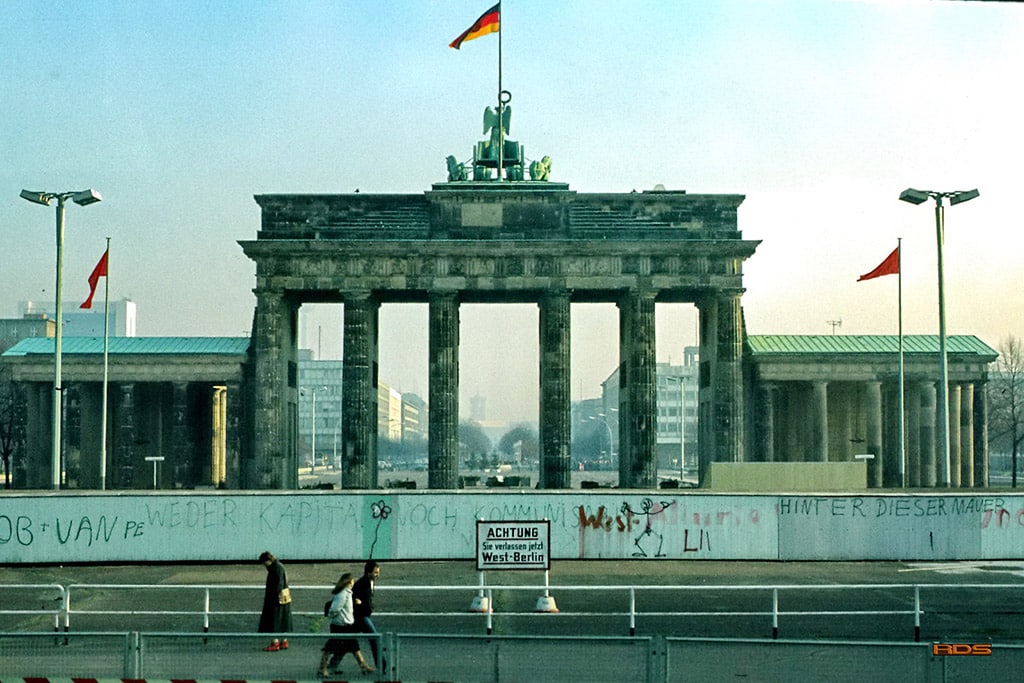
818	398
175	412
499	242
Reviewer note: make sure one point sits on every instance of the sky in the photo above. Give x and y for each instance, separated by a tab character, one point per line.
820	112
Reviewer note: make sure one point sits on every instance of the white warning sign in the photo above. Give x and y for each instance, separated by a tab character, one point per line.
513	545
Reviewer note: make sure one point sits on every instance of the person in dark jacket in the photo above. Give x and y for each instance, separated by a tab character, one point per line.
362	600
341	619
276	616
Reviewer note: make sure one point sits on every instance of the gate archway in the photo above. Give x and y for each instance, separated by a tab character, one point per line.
525	241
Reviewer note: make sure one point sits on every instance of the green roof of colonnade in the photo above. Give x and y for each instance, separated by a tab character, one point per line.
847	344
131	346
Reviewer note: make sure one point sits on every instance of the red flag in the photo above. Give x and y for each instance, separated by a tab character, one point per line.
489	22
99	271
890	266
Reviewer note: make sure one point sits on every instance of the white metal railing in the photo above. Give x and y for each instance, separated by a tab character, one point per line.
480	601
60	601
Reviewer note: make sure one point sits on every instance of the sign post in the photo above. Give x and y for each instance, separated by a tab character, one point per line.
514	545
156	460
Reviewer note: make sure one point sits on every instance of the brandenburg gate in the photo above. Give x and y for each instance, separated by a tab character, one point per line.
499	241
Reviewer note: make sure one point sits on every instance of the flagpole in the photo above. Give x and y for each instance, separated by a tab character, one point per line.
903	447
106	372
501	105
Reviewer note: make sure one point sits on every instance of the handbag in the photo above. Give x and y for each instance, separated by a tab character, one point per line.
285	596
327	607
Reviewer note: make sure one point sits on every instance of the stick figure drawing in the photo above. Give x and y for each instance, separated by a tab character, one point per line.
648	509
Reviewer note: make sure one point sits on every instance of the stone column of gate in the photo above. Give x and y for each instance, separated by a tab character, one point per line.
273	463
443	427
954	435
819	422
638	407
727	376
124	461
981	435
873	415
359	393
967	435
555	408
707	448
929	465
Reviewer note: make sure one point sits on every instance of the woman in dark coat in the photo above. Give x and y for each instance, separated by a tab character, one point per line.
276	616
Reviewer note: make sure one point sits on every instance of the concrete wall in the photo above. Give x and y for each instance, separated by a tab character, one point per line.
96	527
759	477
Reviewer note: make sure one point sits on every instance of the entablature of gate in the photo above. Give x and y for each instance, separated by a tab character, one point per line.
493	241
674	271
500	211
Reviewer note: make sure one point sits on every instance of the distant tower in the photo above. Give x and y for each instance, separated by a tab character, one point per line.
478	408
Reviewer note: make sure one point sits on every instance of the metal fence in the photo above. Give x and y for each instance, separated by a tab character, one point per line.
493	659
749	611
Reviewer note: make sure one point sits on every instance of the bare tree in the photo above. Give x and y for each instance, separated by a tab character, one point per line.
525	436
1006	418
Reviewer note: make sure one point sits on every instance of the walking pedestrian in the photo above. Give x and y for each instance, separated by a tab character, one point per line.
362	598
276	616
341	619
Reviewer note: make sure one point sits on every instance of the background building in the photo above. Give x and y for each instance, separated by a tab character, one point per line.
79	322
320	385
678	399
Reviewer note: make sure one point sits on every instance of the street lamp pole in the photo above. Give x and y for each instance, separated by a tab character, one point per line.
314	390
918	197
679	380
682	429
82	198
603	419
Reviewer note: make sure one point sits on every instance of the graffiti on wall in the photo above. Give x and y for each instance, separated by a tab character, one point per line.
385	525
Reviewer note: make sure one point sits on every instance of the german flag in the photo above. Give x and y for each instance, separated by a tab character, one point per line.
489	22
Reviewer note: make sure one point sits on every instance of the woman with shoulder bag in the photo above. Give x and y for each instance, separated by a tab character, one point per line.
276	616
341	618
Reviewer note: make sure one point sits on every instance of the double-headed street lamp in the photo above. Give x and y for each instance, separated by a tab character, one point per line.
603	419
919	197
82	198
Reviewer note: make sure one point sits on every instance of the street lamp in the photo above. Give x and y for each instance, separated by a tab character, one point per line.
603	419
919	197
681	380
82	198
313	449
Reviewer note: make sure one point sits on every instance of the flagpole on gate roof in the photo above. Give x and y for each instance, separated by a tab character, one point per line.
501	104
106	372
